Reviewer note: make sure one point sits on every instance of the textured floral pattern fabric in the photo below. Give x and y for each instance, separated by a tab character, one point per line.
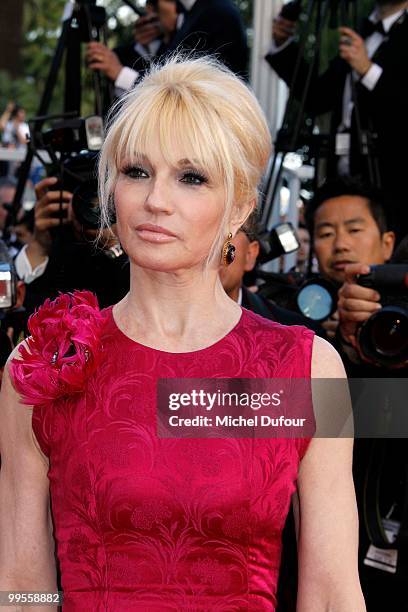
63	348
143	523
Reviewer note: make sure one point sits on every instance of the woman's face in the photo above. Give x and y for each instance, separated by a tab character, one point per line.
182	200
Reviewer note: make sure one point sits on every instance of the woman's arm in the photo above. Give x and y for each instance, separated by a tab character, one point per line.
27	560
328	520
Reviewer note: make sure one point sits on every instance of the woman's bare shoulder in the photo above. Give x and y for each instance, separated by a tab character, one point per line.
16	433
326	361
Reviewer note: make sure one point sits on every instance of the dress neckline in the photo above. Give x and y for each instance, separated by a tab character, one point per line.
216	345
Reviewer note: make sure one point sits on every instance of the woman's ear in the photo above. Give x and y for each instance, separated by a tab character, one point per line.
240	214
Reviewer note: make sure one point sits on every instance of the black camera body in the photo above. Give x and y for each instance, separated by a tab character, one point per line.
383	337
312	296
73	144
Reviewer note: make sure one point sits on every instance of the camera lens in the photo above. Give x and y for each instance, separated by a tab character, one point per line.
384	336
316	299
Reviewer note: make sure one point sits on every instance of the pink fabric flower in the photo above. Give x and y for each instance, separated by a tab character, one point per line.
64	348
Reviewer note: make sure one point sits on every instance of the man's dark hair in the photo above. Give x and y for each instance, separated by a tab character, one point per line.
347	186
251	226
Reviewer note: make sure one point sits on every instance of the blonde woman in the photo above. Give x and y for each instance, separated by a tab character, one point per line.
145	523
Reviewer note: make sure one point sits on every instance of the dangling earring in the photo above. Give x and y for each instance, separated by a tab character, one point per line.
228	251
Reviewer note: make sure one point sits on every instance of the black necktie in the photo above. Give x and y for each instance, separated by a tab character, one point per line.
368	28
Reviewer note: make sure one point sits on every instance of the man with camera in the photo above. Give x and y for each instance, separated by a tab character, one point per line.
350	235
346	220
197	26
152	33
62	255
366	90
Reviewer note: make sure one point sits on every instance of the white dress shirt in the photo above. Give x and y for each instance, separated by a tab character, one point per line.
127	76
369	80
23	267
188	4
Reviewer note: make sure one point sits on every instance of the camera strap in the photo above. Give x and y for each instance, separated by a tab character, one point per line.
376	472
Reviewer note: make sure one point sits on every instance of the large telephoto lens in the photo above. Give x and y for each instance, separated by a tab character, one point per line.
384	336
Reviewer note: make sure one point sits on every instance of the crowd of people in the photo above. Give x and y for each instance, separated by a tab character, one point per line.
187	131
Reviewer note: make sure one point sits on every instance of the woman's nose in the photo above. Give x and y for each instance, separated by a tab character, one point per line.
158	198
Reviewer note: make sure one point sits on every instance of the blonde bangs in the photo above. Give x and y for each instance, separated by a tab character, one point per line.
183	127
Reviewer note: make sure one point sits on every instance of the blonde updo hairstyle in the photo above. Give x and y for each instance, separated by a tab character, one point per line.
201	108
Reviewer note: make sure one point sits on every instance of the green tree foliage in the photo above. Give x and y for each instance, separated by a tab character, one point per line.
41	29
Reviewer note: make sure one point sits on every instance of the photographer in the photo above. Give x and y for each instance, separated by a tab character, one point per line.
152	32
347	222
376	58
212	27
201	27
62	255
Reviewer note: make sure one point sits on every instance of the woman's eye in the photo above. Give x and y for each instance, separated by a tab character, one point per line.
135	172
193	178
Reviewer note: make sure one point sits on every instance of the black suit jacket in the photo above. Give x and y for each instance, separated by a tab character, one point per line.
383	110
214	27
76	265
267	309
128	56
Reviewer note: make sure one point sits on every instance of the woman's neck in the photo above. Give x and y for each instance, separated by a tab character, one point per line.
177	310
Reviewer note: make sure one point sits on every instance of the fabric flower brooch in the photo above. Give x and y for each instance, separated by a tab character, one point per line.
64	348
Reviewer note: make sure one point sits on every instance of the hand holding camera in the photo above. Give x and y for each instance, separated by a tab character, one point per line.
353	50
355	303
100	57
52	209
373	309
147	29
282	30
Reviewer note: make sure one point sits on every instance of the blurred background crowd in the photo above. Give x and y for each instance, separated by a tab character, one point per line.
328	246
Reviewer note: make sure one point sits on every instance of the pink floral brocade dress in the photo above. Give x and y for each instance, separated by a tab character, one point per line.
150	524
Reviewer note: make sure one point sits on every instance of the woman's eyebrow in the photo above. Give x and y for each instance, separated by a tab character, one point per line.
187	162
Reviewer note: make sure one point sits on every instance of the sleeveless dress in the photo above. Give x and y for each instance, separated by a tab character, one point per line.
150	524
